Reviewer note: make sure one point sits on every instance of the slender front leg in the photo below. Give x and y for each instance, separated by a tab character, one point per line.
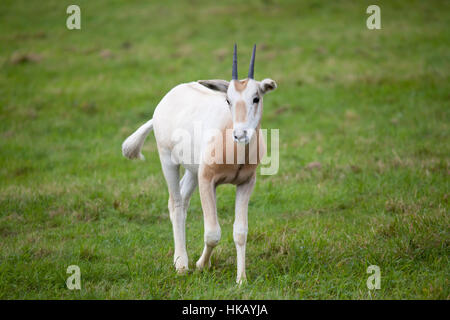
207	190
240	227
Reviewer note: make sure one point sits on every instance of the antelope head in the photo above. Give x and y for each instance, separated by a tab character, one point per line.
244	97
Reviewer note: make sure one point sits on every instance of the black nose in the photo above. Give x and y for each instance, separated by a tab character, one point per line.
240	134
244	134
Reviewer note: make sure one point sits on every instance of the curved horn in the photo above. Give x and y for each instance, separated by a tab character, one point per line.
235	73
251	69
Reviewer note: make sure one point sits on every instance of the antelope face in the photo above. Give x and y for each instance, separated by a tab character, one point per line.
245	99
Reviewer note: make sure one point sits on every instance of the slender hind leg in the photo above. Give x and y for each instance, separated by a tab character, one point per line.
187	187
177	214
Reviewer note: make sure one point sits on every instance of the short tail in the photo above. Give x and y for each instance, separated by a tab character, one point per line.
132	146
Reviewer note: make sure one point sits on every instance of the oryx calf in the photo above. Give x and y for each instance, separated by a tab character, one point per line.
229	114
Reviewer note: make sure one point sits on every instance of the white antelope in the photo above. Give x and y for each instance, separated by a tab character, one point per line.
229	116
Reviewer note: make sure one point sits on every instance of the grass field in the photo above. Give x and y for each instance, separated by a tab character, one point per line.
371	106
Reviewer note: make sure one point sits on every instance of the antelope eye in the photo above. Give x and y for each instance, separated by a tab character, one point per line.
256	100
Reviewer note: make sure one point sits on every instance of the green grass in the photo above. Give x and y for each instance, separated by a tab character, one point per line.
371	106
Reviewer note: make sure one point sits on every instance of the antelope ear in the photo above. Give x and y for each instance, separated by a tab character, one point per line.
217	85
267	85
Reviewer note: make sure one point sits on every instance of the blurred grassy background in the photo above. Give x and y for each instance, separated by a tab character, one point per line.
369	108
